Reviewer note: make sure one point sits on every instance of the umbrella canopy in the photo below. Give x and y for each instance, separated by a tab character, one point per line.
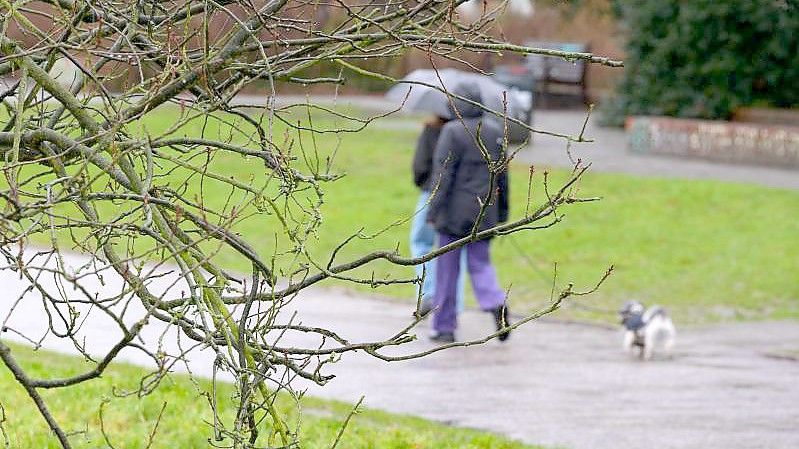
424	90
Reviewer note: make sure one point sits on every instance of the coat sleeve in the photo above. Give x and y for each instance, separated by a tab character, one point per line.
446	159
422	158
502	200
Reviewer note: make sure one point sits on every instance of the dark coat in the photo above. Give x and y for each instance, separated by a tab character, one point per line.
461	178
423	157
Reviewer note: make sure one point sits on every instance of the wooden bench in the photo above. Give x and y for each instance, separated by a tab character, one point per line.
552	71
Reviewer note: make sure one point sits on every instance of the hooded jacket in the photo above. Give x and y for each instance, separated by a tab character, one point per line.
461	179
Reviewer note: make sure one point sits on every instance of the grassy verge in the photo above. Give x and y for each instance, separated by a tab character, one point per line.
708	250
129	421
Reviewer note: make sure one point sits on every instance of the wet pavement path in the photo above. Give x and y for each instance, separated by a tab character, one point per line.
552	383
607	153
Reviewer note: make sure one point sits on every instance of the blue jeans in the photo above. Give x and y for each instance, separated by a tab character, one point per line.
423	240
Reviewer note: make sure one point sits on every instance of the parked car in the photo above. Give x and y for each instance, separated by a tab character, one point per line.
521	80
520	76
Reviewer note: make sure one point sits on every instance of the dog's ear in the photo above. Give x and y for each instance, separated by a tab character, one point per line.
628	307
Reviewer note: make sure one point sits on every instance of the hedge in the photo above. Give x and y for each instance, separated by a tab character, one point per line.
705	58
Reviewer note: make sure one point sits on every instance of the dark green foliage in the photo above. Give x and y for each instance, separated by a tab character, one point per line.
704	58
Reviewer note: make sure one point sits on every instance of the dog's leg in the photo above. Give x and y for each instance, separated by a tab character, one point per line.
668	344
648	350
650	339
627	344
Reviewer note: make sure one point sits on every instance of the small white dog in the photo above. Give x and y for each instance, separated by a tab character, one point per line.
646	329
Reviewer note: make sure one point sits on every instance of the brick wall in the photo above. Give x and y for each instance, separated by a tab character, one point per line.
750	143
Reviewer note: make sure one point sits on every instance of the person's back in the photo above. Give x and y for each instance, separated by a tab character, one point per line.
464	178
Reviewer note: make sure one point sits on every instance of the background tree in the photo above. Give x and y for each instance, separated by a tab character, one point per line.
89	165
704	59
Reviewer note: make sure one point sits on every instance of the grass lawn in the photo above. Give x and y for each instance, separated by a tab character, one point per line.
708	250
129	421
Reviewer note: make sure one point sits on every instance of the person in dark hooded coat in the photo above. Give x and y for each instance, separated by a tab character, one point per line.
461	183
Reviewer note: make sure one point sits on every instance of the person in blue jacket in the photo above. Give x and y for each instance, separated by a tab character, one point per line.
423	236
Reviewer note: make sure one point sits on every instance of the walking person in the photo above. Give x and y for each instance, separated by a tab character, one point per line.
461	183
423	235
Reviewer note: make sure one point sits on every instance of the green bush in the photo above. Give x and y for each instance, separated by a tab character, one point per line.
705	58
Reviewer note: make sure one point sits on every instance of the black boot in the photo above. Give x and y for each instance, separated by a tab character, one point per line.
501	319
443	337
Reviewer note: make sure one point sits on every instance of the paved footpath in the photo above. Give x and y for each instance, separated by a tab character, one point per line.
608	153
553	383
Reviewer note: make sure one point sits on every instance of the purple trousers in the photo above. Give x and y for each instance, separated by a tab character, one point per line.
484	281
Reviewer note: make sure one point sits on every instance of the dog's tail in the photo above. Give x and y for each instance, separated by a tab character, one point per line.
653	312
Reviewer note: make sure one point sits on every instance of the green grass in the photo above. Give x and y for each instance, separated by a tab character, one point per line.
128	421
708	250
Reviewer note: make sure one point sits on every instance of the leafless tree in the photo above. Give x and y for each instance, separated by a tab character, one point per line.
82	173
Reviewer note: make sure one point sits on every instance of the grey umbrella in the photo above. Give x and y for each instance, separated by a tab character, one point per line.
424	90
